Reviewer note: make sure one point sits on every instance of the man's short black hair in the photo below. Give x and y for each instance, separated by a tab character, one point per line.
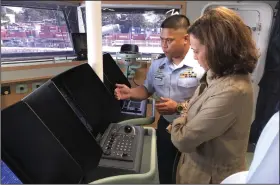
176	22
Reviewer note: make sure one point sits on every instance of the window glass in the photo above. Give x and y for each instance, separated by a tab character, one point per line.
32	31
140	26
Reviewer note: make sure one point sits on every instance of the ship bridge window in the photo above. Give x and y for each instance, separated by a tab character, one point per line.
28	32
133	25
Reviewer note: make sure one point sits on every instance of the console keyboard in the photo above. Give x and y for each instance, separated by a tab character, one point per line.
122	147
119	146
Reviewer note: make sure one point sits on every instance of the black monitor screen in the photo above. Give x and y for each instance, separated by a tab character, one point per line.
79	42
92	100
112	72
32	152
63	120
7	176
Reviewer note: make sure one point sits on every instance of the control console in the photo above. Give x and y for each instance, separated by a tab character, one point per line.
122	151
119	147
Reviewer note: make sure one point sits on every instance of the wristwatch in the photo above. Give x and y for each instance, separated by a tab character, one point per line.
179	108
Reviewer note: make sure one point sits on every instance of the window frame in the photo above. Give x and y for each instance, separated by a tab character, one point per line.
140	6
63	7
149	4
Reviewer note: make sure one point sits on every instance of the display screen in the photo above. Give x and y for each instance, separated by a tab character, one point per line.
79	42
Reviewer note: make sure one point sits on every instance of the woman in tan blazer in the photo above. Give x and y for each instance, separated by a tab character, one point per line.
213	136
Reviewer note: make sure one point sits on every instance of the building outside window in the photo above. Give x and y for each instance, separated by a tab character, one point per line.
40	32
33	32
140	26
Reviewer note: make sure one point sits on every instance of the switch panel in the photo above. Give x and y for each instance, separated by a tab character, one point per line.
21	88
5	90
36	85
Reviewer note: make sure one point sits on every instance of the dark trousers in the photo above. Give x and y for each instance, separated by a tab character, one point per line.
168	155
267	106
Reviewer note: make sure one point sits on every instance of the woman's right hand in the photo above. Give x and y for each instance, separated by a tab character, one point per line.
122	92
